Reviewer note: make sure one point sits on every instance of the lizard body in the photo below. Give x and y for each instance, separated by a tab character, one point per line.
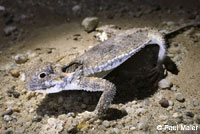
82	72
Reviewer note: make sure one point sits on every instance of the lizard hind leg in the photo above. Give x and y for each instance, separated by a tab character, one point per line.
156	74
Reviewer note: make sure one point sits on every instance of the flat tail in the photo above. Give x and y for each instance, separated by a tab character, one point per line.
181	29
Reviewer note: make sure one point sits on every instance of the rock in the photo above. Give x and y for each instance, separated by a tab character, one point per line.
147	102
9	29
180	97
115	130
90	24
21	58
171	103
164	102
16	94
129	109
165	84
197	119
10	92
163	117
2	8
8	112
143	126
15	73
189	114
7	117
36	119
9	130
173	88
176	115
140	111
106	123
20	130
23	77
195	102
53	126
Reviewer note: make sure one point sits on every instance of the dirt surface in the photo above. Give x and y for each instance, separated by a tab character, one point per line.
48	30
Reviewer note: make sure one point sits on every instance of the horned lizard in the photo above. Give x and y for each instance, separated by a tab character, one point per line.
86	72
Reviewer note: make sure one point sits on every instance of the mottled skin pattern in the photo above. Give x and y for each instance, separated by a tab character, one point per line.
81	73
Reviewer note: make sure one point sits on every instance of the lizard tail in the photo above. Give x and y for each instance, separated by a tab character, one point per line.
181	29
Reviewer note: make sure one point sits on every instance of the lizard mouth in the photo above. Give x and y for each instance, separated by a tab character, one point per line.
37	87
52	89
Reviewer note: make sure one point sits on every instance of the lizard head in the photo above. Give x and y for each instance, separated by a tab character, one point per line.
40	76
47	78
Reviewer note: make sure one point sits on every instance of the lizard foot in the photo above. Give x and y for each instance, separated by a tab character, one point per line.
85	119
155	74
87	116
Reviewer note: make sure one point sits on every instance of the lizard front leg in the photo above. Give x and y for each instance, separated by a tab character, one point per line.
97	84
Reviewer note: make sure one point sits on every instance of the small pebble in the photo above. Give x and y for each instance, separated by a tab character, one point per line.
173	88
165	84
163	117
16	94
7	118
129	109
195	102
106	123
10	92
164	102
176	115
7	112
9	130
140	111
180	97
90	23
143	126
21	58
36	119
171	103
115	130
189	114
15	72
197	119
20	130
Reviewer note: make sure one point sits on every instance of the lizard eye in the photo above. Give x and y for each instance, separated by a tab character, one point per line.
42	75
